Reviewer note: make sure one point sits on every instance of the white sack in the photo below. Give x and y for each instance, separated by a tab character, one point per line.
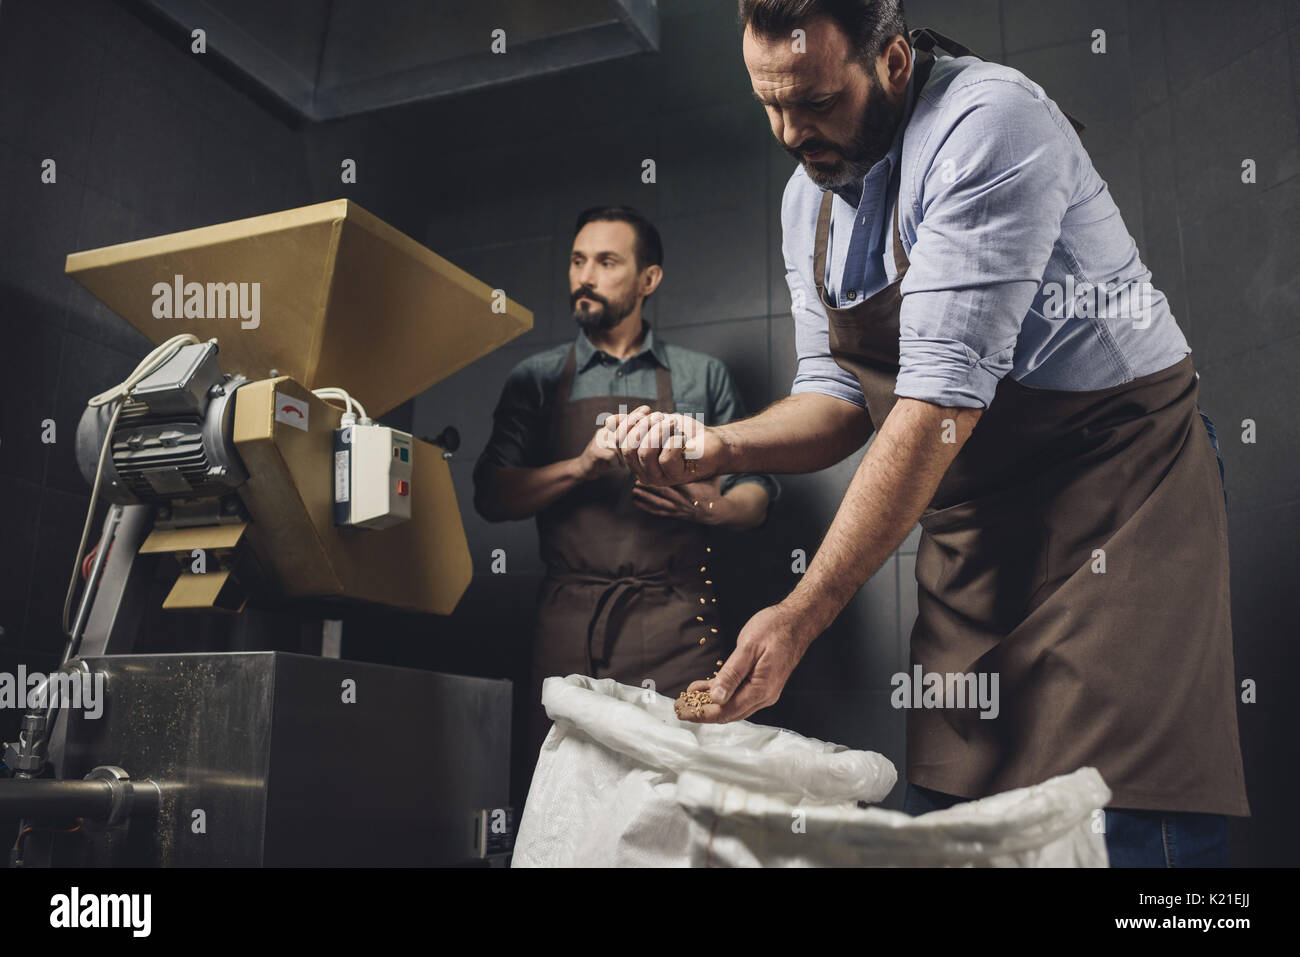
604	790
621	782
1053	824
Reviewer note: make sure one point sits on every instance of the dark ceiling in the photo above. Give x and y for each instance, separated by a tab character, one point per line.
332	58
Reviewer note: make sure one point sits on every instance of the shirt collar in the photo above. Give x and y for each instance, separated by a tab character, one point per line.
585	352
851	193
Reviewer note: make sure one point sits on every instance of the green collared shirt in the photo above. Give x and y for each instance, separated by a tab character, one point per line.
702	387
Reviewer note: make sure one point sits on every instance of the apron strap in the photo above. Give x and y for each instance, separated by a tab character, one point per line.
664	388
820	242
926	39
560	396
921	66
564	387
901	262
605	623
923	38
607	614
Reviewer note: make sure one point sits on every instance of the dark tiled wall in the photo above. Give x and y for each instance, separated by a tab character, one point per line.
149	141
1186	93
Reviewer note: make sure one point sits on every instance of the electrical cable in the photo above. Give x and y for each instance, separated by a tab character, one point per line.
16	852
342	395
339	395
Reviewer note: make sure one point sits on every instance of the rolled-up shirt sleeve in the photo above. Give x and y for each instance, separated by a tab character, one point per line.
817	370
518	423
991	203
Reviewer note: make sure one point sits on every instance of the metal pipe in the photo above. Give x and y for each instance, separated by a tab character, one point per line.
98	800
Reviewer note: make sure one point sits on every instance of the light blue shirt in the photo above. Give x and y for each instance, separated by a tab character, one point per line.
1020	260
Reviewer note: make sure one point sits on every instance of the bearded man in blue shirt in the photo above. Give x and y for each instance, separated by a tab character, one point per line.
964	286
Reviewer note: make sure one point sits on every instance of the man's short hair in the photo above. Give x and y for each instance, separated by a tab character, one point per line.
649	248
869	24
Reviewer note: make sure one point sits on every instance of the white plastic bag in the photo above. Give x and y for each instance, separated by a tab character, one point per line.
604	793
1053	824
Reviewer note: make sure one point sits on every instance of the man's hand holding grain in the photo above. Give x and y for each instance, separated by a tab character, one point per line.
767	650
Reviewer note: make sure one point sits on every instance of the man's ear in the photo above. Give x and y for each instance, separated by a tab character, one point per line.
897	65
651	276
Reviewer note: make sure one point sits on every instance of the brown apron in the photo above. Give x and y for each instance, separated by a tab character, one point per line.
627	595
1130	670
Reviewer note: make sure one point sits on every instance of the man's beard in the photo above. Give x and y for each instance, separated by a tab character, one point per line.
870	144
607	317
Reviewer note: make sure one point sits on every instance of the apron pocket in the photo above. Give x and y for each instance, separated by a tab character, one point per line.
985	559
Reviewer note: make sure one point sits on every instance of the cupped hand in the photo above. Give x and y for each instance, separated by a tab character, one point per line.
753	677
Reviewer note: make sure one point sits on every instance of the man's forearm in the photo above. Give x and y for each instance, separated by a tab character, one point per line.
746	506
510	493
806	432
895	482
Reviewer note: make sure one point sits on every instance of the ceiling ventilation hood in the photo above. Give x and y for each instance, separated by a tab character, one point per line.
327	59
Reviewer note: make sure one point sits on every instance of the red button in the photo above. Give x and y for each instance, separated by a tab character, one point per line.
403	487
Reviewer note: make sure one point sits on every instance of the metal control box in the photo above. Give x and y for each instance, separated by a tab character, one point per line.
372	476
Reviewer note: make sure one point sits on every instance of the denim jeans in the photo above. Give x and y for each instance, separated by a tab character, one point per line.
1133	838
1214	440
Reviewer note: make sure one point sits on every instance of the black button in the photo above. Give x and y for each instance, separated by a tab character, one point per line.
852	296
